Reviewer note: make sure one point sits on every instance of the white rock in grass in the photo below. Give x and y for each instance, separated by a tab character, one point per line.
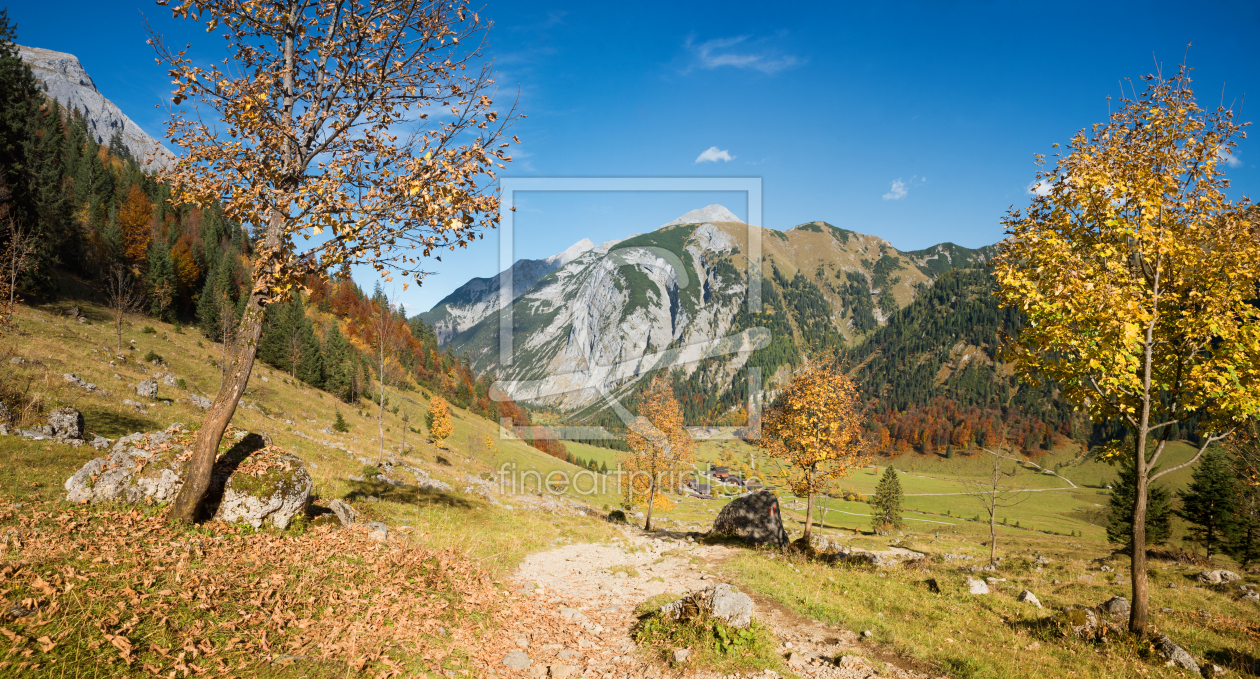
977	586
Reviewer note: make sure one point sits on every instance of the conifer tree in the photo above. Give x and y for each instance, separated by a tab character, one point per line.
1158	511
339	424
886	505
1210	502
1245	547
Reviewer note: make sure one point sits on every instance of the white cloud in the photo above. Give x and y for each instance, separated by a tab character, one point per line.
714	154
1038	188
717	53
898	190
1228	158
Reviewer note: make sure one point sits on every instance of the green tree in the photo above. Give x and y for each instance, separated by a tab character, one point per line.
1120	521
1210	503
886	505
339	424
1245	547
1136	272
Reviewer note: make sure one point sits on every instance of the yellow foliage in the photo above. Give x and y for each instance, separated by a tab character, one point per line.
438	419
815	428
659	446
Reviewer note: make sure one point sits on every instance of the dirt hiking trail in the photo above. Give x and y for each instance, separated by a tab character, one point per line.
573	610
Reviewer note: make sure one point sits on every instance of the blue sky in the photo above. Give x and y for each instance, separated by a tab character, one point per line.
915	122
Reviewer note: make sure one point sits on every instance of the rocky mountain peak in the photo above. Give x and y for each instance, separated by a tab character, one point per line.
711	213
63	78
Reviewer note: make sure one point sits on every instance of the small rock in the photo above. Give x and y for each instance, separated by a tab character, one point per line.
100	442
1175	655
147	388
1033	646
572	614
345	513
796	659
200	401
1213	671
170	380
17	360
1165	609
517	660
721	601
681	655
1217	577
977	586
1253	597
1116	607
379	531
867	634
1028	597
562	671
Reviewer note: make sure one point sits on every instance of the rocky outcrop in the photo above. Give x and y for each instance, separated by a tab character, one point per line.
63	78
1217	577
66	423
753	518
252	482
721	602
147	388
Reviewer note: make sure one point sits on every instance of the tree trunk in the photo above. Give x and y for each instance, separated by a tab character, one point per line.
992	538
651	501
380	417
809	516
1138	611
205	448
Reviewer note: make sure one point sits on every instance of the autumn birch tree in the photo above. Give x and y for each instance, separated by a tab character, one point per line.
1135	271
659	444
815	428
344	132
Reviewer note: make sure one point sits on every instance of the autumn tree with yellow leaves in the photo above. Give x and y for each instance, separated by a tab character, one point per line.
659	447
1135	271
438	419
815	427
347	132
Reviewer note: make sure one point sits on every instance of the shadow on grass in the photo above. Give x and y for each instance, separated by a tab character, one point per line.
410	495
1234	660
115	423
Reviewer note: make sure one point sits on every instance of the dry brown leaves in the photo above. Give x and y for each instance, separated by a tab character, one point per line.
269	458
125	589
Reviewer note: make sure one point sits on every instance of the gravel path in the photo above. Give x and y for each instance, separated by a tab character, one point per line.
573	608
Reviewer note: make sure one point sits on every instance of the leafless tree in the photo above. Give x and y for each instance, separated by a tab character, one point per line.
997	490
15	258
294	343
386	327
124	296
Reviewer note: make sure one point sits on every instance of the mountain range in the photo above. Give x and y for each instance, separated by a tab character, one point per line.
64	79
590	323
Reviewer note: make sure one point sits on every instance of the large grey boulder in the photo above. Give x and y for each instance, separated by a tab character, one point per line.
147	388
268	486
200	401
753	518
720	601
1175	655
129	474
67	423
977	586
